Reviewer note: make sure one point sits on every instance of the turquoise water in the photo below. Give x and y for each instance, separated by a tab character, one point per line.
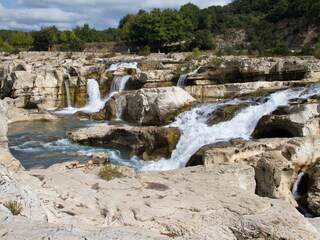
40	144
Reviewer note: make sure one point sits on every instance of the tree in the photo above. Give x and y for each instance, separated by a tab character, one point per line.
63	37
191	12
156	29
77	45
20	39
43	39
203	40
72	36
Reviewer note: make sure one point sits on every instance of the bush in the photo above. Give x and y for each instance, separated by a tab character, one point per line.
14	207
109	172
77	45
203	40
316	52
195	55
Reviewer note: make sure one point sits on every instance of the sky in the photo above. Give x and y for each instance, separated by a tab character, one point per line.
66	14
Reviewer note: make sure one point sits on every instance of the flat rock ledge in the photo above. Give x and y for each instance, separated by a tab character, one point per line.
214	202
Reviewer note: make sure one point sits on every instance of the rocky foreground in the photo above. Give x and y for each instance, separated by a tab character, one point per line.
241	191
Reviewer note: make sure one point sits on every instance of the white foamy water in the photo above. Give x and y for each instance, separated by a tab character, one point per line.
120	103
294	190
183	78
129	65
118	83
94	101
66	84
196	133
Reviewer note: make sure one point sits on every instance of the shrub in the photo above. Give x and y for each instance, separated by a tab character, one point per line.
77	45
203	40
14	207
316	52
109	172
195	55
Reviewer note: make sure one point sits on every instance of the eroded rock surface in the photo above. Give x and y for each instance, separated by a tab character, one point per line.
156	106
214	202
147	142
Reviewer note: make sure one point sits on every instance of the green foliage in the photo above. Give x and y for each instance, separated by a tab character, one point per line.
44	39
20	39
191	12
281	48
109	172
203	40
63	37
316	52
157	29
14	207
5	47
77	45
195	55
216	63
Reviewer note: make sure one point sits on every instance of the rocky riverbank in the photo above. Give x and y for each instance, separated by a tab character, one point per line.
242	190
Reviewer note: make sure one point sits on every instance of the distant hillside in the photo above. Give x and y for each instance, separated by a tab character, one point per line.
260	27
264	26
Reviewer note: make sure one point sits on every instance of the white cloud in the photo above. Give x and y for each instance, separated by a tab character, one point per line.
66	14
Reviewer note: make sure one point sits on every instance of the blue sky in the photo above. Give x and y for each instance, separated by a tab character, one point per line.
66	14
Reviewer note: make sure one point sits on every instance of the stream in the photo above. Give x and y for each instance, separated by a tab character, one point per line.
41	144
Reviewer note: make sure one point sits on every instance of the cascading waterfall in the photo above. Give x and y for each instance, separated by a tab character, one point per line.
196	133
129	65
295	191
183	78
118	83
66	84
120	103
94	102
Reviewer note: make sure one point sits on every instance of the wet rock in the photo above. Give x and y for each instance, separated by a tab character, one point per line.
147	142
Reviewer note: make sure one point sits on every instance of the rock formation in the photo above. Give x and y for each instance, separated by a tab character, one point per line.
156	106
147	142
5	157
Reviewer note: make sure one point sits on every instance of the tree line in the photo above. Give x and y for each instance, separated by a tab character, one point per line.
182	29
48	37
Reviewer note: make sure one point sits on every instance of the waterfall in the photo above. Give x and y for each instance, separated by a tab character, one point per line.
195	133
94	102
66	84
295	193
118	83
120	103
183	78
130	65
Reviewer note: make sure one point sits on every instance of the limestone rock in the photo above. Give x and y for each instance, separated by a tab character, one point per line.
276	162
155	106
218	201
313	198
147	142
291	121
6	157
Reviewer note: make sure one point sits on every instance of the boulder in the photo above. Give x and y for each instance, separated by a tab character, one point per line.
156	106
298	120
313	197
276	161
148	142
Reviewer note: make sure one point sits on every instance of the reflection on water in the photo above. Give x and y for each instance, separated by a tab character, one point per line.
39	144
